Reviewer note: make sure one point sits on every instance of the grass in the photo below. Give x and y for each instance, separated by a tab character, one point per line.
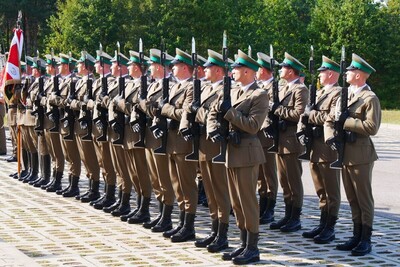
391	116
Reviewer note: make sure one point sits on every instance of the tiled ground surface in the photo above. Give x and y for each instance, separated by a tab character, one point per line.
48	230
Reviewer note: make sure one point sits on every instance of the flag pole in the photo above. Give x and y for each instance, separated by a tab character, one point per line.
19	21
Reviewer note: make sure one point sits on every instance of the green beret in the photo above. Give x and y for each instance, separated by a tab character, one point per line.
358	63
155	57
39	63
64	59
243	60
292	62
215	59
264	60
329	64
49	59
29	61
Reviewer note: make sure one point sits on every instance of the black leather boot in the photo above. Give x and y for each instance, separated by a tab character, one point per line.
93	194
40	170
322	222
53	179
221	240
34	168
364	247
165	223
87	191
175	230
114	206
353	241
236	252
73	189
262	204
125	218
143	215
294	223
268	215
328	233
108	200
284	220
152	223
57	183
204	242
62	191
46	163
187	232
250	253
124	207
26	158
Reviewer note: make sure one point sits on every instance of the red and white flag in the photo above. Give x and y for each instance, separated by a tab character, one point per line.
12	73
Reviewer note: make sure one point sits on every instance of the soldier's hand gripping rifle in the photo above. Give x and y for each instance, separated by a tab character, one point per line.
195	127
224	124
273	129
39	109
101	121
85	120
162	125
339	141
307	133
118	124
69	118
142	120
54	113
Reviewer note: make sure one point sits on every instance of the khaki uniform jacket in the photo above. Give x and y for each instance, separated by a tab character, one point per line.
266	142
208	98
29	119
107	102
48	89
132	89
179	93
293	99
364	120
326	101
246	116
150	107
92	104
77	103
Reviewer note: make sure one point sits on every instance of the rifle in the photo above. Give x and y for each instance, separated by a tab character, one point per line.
101	120
162	150
54	113
273	128
118	124
195	127
340	138
69	117
86	120
143	95
224	124
39	110
307	132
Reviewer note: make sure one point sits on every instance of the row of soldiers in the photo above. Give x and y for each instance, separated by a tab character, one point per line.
140	135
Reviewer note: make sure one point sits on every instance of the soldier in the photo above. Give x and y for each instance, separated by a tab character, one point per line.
135	155
85	147
118	153
182	173
268	180
61	101
51	131
293	98
100	131
213	175
326	180
245	111
157	163
26	142
360	122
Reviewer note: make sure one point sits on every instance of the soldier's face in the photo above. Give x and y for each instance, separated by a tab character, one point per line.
352	76
258	73
80	68
238	73
114	69
178	70
285	72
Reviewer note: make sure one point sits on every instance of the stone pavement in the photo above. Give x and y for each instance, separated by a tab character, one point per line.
43	229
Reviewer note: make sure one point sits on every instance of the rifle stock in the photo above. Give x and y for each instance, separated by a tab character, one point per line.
39	109
54	113
69	118
86	120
